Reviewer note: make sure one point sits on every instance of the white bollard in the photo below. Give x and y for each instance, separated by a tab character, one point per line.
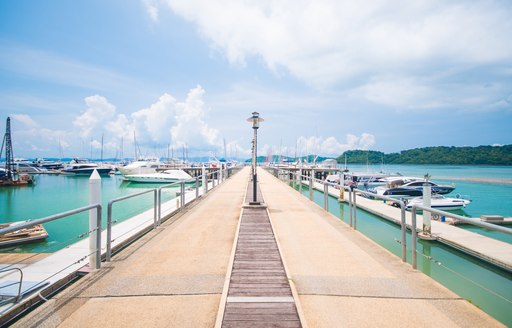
94	198
427	193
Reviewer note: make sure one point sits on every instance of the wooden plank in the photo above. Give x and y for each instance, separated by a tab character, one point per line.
258	274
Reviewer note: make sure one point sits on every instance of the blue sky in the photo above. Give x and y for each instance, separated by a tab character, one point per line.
327	76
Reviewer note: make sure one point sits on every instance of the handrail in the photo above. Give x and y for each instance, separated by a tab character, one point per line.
463	219
18	298
353	206
182	191
403	226
54	217
109	216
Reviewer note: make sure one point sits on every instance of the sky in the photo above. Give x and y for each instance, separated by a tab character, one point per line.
325	75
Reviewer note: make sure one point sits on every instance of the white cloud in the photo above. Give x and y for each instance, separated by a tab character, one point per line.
152	9
25	119
330	146
191	127
98	111
323	42
163	122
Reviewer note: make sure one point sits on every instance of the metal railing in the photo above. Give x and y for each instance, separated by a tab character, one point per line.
19	296
352	202
54	217
417	207
109	216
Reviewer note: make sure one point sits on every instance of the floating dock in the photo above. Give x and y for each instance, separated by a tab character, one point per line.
190	272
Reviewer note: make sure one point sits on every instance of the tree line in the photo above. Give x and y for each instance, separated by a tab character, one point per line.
481	155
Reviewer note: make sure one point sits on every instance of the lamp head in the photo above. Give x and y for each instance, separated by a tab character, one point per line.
255	119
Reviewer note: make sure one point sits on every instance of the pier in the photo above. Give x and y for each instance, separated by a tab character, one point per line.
221	263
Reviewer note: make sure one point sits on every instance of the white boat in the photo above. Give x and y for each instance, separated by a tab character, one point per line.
167	176
440	203
83	167
144	166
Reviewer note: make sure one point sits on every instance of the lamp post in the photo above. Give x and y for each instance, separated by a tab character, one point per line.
255	119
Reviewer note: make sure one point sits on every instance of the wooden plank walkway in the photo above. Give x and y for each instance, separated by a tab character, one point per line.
259	293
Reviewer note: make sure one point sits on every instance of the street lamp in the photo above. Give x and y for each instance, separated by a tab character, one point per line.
255	119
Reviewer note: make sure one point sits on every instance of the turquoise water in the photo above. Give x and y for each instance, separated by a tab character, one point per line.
484	285
52	194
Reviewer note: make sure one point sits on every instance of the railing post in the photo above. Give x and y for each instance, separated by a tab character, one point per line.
427	194
98	237
326	196
414	237
204	180
350	204
155	209
300	183
355	210
311	178
403	230
159	205
183	201
197	187
109	232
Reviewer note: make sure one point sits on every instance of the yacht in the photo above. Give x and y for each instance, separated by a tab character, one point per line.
411	189
167	176
49	165
441	203
24	166
143	166
84	167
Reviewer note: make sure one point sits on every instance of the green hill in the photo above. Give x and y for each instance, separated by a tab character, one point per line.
481	155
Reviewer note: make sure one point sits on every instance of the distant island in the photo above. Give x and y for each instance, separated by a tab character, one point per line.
481	155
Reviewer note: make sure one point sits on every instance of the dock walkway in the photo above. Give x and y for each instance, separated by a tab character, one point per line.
179	275
259	294
488	249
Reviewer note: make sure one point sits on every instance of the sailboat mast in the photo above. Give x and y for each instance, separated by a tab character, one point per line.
101	148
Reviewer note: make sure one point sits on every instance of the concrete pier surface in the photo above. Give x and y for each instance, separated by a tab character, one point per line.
175	276
172	277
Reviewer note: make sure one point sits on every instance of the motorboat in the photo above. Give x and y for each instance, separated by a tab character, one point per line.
49	165
24	166
371	180
33	234
411	189
440	202
167	176
143	166
83	167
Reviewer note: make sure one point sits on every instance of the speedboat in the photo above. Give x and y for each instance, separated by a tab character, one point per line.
167	176
411	189
440	203
83	167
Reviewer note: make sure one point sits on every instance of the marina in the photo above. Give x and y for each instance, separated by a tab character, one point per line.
336	274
